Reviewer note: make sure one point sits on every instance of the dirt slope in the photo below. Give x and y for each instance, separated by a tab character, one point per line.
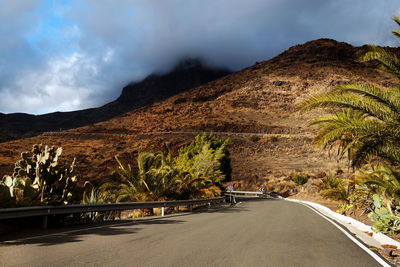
261	98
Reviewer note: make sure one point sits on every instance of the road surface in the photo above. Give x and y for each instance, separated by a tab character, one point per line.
253	233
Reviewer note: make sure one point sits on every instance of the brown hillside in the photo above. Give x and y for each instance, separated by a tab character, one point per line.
261	98
187	74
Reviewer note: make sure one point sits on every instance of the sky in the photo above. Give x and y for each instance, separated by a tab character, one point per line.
63	55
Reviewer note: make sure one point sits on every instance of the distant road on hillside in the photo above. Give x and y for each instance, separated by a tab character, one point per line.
256	233
184	132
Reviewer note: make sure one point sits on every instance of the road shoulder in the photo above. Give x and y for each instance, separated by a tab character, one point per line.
358	232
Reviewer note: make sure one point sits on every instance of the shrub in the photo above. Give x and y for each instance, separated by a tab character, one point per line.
255	138
333	188
273	138
338	193
300	179
330	182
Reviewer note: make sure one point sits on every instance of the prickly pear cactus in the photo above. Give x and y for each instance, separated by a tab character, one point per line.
384	221
39	180
21	191
5	196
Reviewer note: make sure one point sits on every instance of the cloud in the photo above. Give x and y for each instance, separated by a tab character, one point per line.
72	54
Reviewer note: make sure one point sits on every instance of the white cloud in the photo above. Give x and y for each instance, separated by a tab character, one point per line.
66	83
101	45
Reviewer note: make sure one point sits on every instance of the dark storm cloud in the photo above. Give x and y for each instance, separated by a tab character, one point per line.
115	42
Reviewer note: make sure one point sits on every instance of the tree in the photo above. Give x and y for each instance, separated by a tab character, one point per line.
152	179
365	119
199	174
216	145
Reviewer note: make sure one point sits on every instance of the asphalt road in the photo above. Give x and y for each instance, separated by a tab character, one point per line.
256	233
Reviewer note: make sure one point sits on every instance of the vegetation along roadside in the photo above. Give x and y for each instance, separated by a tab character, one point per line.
198	171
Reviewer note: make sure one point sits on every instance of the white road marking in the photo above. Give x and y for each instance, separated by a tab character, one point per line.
361	245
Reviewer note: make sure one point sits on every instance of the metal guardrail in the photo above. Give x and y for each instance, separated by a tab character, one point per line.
233	194
243	192
13	213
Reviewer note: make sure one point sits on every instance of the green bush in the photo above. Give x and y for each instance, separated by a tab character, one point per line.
300	179
215	145
330	182
332	187
338	193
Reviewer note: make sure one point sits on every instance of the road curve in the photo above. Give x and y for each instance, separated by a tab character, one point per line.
253	233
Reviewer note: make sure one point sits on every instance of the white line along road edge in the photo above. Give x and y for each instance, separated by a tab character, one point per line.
358	228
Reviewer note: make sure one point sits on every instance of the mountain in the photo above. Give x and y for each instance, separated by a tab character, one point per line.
187	74
262	98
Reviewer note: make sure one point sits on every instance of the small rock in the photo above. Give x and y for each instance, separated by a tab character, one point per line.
339	171
320	175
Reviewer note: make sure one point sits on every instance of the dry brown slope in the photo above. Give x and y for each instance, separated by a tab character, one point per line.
261	98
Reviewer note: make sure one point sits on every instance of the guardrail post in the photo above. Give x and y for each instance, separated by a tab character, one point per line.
45	222
190	207
162	211
233	200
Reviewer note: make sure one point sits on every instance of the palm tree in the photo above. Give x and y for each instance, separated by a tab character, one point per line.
152	179
365	119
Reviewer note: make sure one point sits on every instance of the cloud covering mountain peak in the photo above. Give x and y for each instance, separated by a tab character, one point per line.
70	54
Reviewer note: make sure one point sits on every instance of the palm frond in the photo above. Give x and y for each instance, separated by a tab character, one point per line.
384	178
389	63
331	99
396	32
389	97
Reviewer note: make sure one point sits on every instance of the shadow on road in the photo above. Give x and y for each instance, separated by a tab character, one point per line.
76	233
